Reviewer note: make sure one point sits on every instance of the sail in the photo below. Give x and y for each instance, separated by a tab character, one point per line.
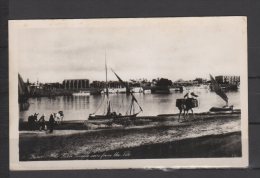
108	109
218	90
22	89
123	83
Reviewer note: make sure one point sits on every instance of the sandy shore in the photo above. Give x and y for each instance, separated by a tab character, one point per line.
138	121
216	135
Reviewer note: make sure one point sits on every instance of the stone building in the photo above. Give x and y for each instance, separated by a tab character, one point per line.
224	79
76	84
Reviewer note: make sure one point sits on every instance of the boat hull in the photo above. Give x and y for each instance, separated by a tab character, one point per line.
219	109
102	117
80	94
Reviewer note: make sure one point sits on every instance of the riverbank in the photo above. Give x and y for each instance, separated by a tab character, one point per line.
204	135
145	121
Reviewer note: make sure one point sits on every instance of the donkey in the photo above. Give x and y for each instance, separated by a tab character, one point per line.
186	105
58	116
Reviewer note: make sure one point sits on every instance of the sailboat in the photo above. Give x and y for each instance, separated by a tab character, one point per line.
109	113
23	94
222	94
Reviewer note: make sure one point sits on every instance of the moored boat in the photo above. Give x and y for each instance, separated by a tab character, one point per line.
219	91
160	90
109	113
148	91
137	90
110	116
221	109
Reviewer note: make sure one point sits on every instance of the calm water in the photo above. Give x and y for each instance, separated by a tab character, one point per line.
79	107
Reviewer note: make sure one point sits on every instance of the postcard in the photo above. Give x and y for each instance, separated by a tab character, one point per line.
128	93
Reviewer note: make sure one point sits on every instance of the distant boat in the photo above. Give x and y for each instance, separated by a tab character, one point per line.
114	90
109	113
218	90
147	91
160	90
137	90
177	89
81	93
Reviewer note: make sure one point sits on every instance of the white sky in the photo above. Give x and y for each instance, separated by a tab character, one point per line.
54	50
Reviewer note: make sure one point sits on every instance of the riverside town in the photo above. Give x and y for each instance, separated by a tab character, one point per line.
121	89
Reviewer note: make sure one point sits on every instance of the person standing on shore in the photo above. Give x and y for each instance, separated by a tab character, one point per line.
42	122
51	123
35	121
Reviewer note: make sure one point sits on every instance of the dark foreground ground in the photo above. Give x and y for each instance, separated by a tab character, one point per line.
205	136
213	146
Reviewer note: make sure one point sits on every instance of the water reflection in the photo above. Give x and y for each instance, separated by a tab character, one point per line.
79	107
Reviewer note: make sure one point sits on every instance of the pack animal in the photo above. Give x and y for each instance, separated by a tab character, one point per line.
58	117
186	105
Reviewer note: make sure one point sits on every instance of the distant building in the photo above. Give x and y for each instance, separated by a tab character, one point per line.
51	86
182	82
139	83
36	85
75	84
134	83
115	84
98	84
222	79
200	80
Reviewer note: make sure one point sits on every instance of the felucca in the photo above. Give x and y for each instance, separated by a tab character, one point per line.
109	113
222	94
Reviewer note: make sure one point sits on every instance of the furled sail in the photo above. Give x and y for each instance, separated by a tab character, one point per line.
218	89
23	94
22	88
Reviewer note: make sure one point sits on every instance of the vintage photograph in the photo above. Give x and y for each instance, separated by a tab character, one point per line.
128	93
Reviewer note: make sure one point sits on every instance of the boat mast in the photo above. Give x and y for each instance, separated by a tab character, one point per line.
106	73
108	101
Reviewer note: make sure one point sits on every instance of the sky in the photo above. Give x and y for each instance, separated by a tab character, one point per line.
173	48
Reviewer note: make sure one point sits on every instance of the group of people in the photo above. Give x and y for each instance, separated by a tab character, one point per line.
41	124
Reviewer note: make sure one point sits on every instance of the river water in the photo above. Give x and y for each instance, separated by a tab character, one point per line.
79	107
